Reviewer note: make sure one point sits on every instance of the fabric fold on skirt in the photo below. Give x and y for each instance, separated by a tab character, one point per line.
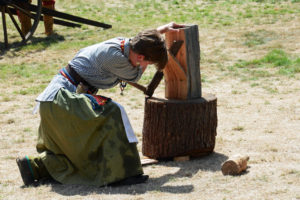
80	145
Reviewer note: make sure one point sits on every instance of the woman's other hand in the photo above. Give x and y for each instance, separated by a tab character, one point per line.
170	27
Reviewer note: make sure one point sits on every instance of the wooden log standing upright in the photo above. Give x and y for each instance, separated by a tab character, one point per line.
182	72
183	123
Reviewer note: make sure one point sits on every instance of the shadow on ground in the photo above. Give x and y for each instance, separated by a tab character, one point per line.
187	169
43	43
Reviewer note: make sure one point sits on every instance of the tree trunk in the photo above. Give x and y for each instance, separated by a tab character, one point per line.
178	128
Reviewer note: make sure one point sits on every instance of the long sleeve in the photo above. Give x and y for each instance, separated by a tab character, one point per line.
103	65
119	65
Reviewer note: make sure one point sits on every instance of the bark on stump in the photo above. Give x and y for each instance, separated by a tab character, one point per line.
185	122
176	128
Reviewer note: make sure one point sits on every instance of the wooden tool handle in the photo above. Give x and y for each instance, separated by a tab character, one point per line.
149	90
154	83
138	86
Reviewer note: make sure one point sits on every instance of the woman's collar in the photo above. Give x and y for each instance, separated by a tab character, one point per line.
126	47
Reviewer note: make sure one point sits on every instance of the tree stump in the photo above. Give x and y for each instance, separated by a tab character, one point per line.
183	123
176	128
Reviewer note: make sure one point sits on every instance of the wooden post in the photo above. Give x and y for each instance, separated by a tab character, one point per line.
24	19
48	19
183	123
182	72
3	8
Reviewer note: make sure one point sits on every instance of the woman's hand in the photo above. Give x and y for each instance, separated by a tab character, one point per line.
169	27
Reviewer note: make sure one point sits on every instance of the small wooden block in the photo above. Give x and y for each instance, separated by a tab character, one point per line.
181	158
235	165
148	161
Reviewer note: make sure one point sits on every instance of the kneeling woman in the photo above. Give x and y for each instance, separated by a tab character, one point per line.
86	138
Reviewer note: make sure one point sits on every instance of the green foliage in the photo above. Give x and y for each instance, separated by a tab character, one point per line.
275	59
31	90
21	71
129	18
267	1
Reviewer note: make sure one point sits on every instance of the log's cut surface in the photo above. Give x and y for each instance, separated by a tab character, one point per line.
179	127
235	165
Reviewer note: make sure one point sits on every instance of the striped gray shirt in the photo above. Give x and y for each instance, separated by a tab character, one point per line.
102	65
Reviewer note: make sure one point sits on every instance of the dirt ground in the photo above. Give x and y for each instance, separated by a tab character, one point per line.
252	121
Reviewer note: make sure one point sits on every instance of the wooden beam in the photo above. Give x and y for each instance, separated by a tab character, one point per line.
56	21
3	8
73	18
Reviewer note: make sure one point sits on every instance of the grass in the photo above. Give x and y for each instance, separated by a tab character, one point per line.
275	62
26	130
10	121
24	71
259	37
238	128
6	99
30	90
126	21
213	14
294	172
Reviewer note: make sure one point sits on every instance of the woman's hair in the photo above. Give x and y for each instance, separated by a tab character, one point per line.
151	44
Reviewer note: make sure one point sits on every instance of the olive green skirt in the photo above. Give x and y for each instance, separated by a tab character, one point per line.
79	145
